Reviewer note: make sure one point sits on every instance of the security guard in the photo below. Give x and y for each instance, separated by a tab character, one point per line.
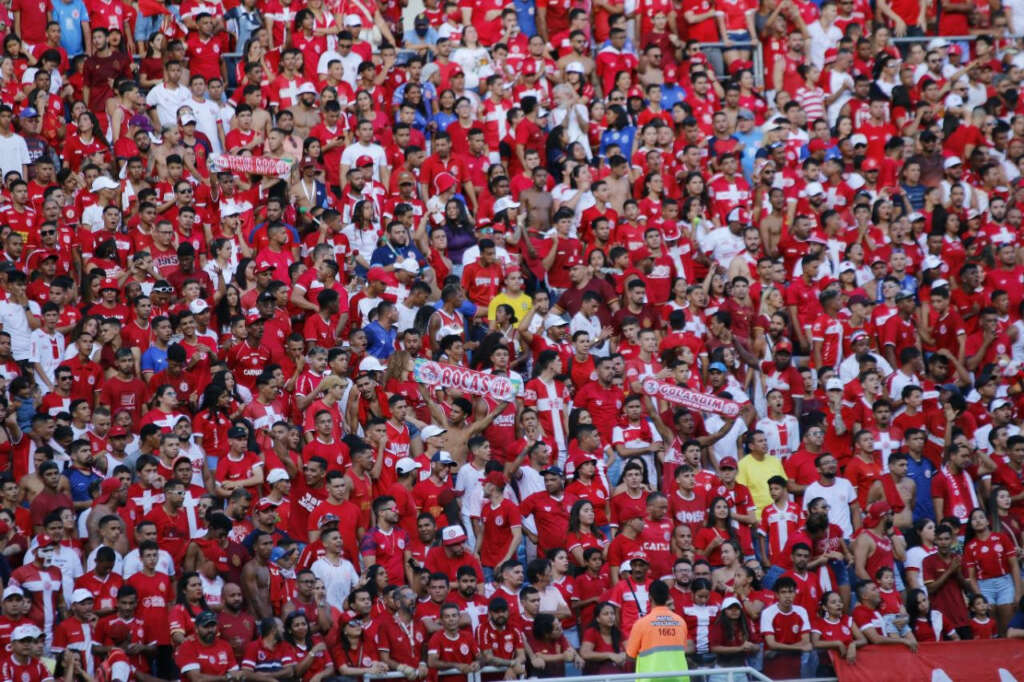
658	640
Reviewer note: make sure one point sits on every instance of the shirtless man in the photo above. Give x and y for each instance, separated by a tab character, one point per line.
900	484
261	121
457	430
256	577
619	183
170	144
305	114
577	57
113	496
537	202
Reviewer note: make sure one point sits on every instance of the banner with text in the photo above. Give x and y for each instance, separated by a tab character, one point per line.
467	380
256	165
981	660
692	399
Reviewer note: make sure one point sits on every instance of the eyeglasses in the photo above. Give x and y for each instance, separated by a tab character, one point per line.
185	191
43	233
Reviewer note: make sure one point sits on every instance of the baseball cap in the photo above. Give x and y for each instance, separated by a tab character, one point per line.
783	347
407	464
553	470
103	182
26	632
306	89
253	318
952	161
998	403
279	553
870	165
12	591
452	535
729	602
834	384
327	519
364	160
444	182
904	295
370	364
847	266
574	67
277	475
931	262
117	431
431	430
206	618
814	189
877	510
264	266
198	306
80	595
405	177
738	215
45	540
109	485
717	367
553	320
728	463
442	457
495	478
188	119
29	112
504	203
237	432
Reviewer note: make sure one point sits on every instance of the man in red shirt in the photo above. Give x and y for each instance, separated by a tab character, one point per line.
156	594
452	647
452	554
629	594
550	509
499	522
171	520
401	638
899	331
499	643
74	633
208	655
482	278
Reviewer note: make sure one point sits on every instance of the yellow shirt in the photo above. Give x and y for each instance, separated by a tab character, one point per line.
755	475
521	304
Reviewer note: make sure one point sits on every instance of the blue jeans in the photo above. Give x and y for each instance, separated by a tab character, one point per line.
892	629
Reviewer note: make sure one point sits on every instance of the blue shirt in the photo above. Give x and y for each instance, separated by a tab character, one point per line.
751	143
153	360
389	253
70	16
80	482
921	474
380	342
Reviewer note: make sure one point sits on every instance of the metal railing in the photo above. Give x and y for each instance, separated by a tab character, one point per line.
757	55
736	674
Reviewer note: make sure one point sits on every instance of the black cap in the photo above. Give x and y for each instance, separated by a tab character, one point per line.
237	432
206	618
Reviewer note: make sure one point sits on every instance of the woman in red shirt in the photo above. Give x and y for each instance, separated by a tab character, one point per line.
718	531
927	623
601	648
583	533
309	652
732	637
835	629
992	566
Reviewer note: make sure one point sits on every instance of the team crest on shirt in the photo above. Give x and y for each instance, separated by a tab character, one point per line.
508	646
419	637
499	521
846	630
796	629
999	547
599	494
92	379
222	657
388	461
463	649
401	543
984	549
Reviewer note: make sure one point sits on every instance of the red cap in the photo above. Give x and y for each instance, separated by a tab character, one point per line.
784	345
109	283
495	478
457	71
108	488
529	67
45	540
117	431
870	164
379	274
444	182
364	160
739	65
449	495
252	319
264	266
572	261
266	505
876	511
831	54
728	463
817	145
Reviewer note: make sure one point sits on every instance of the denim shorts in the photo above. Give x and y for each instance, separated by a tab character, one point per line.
997	590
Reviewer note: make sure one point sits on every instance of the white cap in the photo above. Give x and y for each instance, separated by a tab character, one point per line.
915	216
937	43
553	320
277	474
857	139
503	204
998	403
973	213
442	457
306	89
407	464
729	601
229	210
575	67
939	283
431	430
814	188
12	591
542	112
187	119
409	265
452	535
847	266
103	182
197	306
353	20
370	364
855	181
952	161
80	595
834	384
26	632
931	262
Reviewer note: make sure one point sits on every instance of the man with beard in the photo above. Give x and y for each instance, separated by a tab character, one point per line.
874	545
500	644
305	114
237	625
843	508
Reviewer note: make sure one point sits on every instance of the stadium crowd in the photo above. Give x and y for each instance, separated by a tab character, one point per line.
221	280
